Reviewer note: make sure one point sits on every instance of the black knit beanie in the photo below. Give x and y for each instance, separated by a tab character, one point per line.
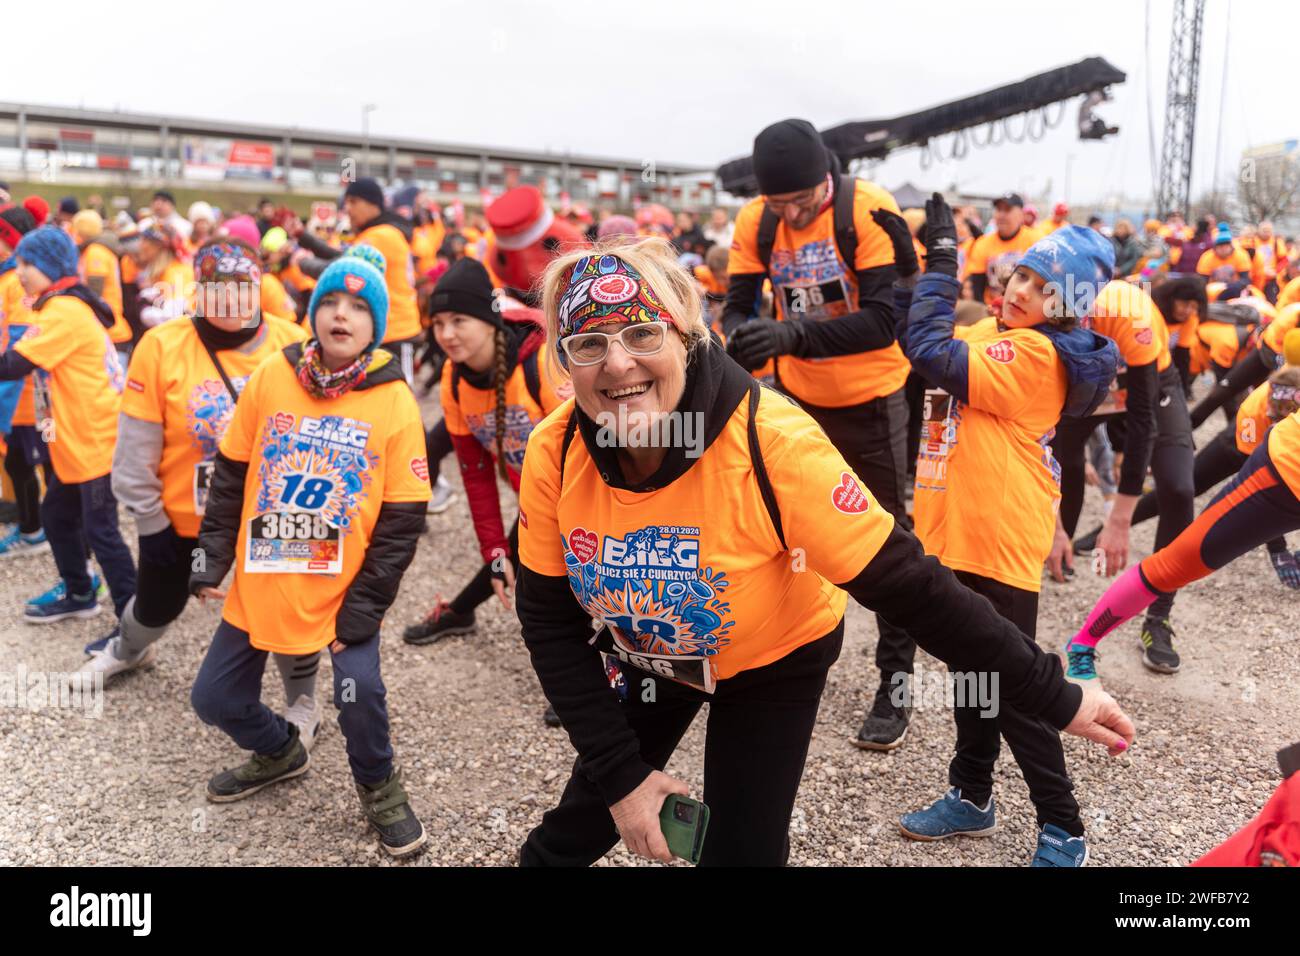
788	157
467	288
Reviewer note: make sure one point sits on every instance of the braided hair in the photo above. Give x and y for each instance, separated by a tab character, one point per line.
499	379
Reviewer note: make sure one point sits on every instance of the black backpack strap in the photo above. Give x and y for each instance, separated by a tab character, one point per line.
760	469
533	379
846	230
766	239
570	430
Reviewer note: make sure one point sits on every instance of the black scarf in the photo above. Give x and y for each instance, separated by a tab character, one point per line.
219	340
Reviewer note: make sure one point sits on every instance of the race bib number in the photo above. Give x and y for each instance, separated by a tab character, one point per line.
936	423
692	670
820	300
202	482
293	542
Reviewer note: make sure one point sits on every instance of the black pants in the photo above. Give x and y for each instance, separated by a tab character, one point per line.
163	590
21	459
872	437
1172	465
760	723
1215	462
1034	743
86	511
479	588
437	446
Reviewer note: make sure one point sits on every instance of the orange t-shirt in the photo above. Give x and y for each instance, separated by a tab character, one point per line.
476	411
1252	419
1214	342
318	472
275	299
995	257
130	269
299	280
1276	330
1125	313
709	282
987	485
1284	450
811	282
176	284
78	399
399	276
1264	262
1223	270
99	263
15	311
693	573
431	236
173	383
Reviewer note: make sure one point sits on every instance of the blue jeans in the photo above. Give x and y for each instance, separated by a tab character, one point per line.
227	694
81	513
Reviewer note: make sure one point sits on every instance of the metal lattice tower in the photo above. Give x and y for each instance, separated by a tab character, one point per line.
1173	191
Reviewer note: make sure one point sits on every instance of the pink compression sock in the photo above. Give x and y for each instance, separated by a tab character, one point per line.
1126	598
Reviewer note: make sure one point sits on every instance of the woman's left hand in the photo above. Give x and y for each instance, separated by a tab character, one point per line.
1100	719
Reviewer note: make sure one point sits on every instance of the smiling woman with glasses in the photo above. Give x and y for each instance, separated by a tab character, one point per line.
714	574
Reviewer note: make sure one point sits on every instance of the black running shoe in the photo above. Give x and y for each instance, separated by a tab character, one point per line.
1088	542
1158	652
439	623
388	810
551	718
886	724
261	770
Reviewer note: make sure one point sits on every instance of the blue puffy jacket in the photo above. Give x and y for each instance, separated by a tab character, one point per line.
926	319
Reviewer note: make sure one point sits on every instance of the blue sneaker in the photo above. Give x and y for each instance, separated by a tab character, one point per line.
949	816
62	609
16	544
60	591
1080	663
94	647
1058	848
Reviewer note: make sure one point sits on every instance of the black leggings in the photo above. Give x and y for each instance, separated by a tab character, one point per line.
1231	385
163	590
1217	461
479	588
437	446
22	475
1034	743
760	724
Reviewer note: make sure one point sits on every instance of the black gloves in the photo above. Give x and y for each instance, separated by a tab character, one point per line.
940	237
895	226
159	548
758	340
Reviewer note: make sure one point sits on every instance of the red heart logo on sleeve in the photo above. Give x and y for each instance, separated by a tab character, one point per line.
848	496
420	468
1001	351
583	544
284	422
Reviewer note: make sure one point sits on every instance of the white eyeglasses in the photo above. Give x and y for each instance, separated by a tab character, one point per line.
591	348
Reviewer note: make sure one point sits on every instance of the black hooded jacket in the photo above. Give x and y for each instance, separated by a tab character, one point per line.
904	586
392	543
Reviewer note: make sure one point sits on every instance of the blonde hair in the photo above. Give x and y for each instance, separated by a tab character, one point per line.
656	260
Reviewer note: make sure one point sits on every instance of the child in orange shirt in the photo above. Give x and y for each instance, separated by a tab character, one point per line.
78	391
317	499
987	485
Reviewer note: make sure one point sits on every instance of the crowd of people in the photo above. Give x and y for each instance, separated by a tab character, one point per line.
718	431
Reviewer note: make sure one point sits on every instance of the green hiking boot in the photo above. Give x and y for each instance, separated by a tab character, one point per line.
261	770
388	810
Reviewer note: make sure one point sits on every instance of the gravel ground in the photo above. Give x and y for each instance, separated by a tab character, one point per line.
127	787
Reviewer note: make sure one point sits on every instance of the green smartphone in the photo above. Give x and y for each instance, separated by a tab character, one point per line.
683	822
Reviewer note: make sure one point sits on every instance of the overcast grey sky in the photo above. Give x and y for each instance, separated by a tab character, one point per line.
673	80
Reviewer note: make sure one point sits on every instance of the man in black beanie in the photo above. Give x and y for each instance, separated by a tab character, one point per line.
814	233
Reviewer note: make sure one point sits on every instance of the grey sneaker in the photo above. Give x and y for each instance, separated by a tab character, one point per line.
443	496
388	810
1158	652
261	770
